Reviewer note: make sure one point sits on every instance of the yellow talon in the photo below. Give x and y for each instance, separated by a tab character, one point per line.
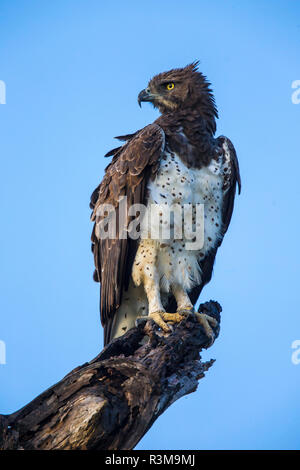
173	317
205	321
161	317
158	318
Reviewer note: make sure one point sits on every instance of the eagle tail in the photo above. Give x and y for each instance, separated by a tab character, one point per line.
107	331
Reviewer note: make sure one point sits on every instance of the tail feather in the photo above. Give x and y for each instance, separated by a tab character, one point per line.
107	331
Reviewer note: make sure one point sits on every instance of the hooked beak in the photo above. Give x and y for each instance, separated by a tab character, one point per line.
145	95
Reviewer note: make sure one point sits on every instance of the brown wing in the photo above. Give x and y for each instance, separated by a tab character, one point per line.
127	175
231	179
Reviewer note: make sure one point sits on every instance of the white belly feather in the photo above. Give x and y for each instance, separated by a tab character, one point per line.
177	184
168	260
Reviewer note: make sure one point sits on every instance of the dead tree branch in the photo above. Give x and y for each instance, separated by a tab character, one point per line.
112	401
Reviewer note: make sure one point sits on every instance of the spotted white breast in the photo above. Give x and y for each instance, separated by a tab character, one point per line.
176	185
169	261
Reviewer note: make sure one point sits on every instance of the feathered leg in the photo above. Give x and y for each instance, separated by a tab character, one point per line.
145	273
156	309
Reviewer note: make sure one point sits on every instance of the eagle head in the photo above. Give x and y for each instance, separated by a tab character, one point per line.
180	89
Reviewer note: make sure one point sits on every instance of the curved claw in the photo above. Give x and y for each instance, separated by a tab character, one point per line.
173	317
161	317
205	321
158	318
185	312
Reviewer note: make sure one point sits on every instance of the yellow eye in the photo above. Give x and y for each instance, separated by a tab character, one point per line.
170	86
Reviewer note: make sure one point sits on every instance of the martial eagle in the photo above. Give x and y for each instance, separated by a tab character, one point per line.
174	160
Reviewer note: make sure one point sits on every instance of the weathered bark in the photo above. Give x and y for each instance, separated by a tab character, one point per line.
112	401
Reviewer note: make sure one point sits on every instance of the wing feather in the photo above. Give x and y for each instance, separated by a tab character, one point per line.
231	180
127	175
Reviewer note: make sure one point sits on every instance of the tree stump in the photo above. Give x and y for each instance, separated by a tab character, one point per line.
110	402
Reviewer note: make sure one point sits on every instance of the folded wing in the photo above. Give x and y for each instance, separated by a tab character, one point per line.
127	176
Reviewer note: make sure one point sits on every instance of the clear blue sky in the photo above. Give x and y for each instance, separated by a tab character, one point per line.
73	70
